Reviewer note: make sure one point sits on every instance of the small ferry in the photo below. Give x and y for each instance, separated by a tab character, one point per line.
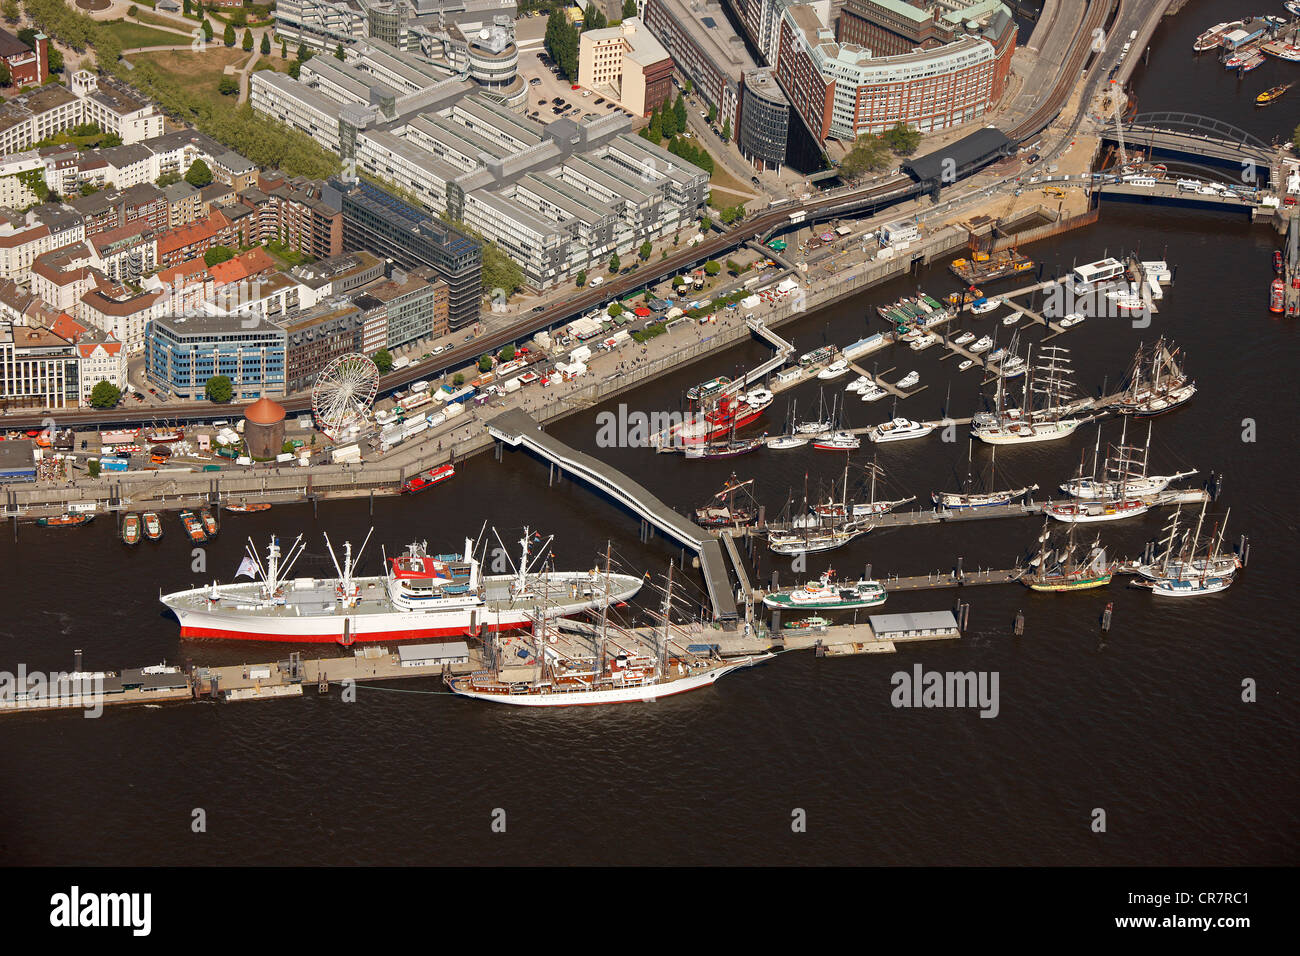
65	520
908	380
209	520
984	306
153	529
131	529
807	623
964	338
825	594
1212	37
707	389
427	479
983	345
244	509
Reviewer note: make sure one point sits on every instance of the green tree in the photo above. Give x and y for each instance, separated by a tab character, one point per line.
726	130
6	77
218	254
615	310
629	8
507	354
500	271
167	179
92	468
303	52
582	278
219	389
679	110
705	224
185	8
713	113
668	123
338	53
690	87
593	18
458	380
614	264
105	395
284	50
228	38
384	361
485	363
207	29
132	11
198	175
645	250
868	153
10	10
56	60
247	43
902	139
265	48
711	268
295	69
561	43
227	85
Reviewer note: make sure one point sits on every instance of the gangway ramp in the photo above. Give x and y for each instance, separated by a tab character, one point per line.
516	427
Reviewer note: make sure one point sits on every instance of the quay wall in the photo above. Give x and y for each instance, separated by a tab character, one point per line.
152	491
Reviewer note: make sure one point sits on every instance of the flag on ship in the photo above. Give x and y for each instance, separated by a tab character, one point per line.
247	566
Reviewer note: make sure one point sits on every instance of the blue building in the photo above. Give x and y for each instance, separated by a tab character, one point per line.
182	353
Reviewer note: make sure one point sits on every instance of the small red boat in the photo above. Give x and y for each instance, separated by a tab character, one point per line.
426	479
1277	261
1277	296
243	509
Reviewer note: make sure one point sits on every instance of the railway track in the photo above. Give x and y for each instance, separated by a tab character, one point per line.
890	191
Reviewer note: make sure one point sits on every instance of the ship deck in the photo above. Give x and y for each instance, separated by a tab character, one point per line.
320	597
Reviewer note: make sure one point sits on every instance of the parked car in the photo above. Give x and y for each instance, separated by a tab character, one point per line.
539	308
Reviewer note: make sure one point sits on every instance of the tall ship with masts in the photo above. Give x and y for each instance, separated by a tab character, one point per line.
1122	473
1157	382
1136	482
420	596
605	664
833	510
962	500
1183	569
1061	567
1043	415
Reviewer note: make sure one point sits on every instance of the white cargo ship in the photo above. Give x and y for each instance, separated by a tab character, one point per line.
420	596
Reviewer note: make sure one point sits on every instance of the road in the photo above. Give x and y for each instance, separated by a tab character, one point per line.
833	204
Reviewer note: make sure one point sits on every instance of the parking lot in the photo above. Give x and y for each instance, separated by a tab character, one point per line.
545	86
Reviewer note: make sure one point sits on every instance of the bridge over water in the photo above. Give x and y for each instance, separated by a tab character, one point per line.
517	428
1198	140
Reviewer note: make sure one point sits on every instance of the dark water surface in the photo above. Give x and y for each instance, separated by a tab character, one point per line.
1146	722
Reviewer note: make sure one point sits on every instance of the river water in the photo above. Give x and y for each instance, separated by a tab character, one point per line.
1146	722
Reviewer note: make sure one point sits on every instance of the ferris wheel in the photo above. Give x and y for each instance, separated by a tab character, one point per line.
343	394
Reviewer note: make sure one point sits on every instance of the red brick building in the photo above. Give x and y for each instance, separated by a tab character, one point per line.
27	67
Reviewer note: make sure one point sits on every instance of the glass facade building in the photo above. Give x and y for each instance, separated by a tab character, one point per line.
182	353
378	221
